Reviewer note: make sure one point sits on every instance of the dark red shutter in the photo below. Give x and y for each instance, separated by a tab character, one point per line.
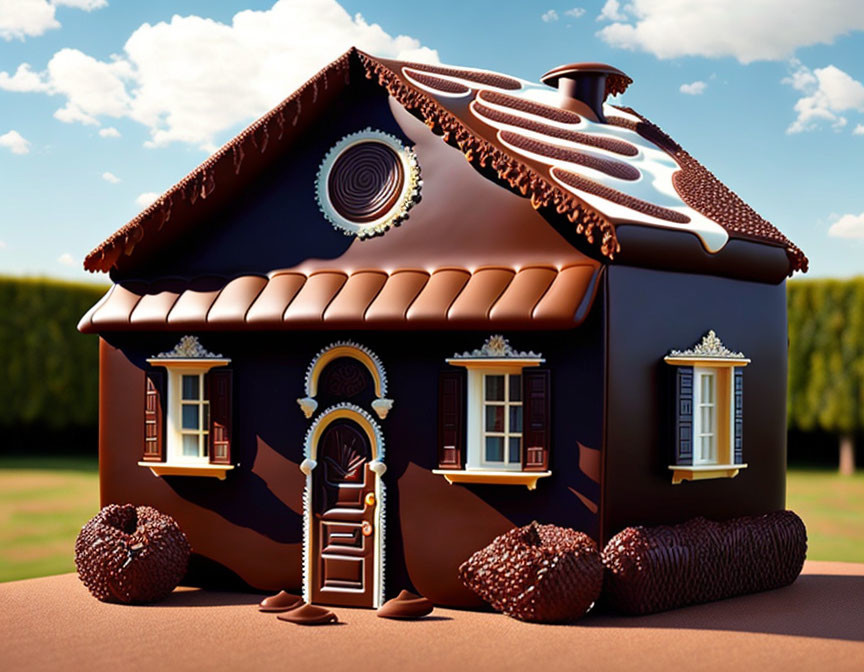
154	416
537	426
219	395
451	419
683	415
738	411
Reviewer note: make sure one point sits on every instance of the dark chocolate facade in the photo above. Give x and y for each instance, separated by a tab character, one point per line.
344	471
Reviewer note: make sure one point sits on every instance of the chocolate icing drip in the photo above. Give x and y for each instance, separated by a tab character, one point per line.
611	167
483	78
543	192
365	181
609	144
601	190
529	106
444	85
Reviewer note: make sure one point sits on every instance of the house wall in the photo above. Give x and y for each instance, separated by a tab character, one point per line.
650	312
249	526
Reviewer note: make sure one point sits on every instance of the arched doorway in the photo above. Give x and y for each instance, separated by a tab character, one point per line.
344	537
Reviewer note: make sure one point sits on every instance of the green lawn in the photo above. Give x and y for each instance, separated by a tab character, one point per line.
832	508
44	502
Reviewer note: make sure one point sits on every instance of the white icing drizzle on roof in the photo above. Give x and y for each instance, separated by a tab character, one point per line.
656	167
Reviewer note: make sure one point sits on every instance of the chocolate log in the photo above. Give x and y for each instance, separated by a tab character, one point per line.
539	573
131	555
650	569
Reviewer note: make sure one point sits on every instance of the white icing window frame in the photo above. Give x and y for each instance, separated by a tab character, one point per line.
175	432
477	434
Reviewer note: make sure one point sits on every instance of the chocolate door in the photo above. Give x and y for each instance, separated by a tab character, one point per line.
343	524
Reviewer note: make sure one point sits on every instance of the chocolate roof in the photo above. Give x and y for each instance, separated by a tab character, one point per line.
538	297
569	165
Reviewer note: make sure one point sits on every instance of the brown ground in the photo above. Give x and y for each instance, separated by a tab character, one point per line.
53	623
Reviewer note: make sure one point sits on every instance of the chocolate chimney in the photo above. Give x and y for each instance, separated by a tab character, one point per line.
587	83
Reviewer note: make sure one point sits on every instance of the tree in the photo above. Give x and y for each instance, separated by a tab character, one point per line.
826	360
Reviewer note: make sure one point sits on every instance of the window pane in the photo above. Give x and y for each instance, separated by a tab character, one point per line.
494	388
190	416
515	450
494	449
516	419
190	445
707	419
515	388
494	418
190	387
206	426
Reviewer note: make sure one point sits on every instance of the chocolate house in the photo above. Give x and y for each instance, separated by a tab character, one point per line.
415	306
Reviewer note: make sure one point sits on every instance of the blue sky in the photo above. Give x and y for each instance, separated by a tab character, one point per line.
108	110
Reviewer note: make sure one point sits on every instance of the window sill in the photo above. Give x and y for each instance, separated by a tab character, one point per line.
686	472
178	469
527	478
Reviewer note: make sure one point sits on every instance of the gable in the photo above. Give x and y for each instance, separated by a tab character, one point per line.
578	201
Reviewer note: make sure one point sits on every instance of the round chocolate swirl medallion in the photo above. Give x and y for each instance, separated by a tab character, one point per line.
367	183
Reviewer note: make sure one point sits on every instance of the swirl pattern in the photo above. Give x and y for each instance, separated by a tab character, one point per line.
366	181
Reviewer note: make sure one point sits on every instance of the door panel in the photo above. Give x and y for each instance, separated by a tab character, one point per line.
343	543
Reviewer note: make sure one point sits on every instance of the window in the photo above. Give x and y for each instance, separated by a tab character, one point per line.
705	418
187	413
493	417
502	420
707	441
194	416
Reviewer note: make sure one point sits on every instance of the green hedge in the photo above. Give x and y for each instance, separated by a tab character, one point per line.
826	355
48	371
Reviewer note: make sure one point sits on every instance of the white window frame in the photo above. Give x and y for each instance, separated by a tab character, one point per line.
700	404
476	421
175	431
507	434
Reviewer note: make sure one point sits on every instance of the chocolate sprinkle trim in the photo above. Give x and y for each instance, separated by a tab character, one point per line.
703	192
530	107
609	144
619	197
543	192
613	168
443	85
483	78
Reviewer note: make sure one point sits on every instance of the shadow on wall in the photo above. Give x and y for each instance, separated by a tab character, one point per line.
816	605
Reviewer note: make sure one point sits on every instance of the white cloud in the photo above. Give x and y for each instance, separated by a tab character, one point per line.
147	198
192	78
829	93
859	130
110	177
24	80
612	12
848	226
549	16
26	18
575	13
696	88
86	5
67	259
15	142
30	18
109	132
744	29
